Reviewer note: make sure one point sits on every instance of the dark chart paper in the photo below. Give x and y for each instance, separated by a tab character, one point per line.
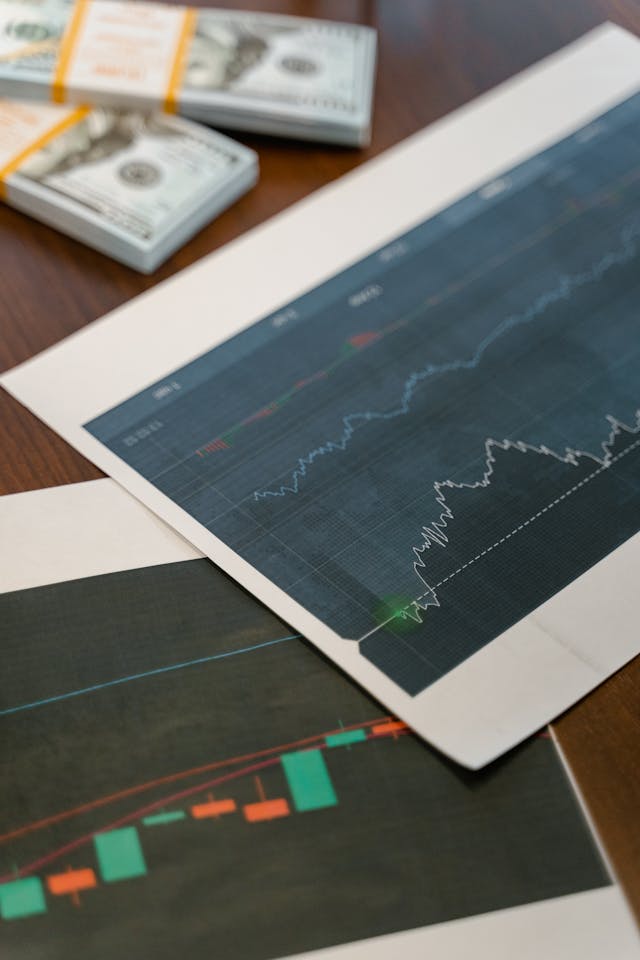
431	444
181	777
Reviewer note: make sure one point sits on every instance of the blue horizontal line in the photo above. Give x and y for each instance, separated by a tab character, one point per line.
147	673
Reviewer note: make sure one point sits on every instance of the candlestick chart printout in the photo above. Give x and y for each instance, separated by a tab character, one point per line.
180	773
428	446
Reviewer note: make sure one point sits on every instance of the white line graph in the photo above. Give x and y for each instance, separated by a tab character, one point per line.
563	289
435	534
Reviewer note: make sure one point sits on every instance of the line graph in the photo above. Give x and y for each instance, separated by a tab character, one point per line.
361	340
143	676
378	728
436	533
262	785
342	735
350	347
563	290
365	339
344	455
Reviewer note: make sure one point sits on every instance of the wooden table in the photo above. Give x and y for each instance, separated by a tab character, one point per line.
434	56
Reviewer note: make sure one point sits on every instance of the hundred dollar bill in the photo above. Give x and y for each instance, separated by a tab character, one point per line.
290	76
135	186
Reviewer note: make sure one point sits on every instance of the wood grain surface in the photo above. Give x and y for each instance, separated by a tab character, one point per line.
434	56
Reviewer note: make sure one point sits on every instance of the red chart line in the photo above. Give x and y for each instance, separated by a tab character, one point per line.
165	801
172	777
141	812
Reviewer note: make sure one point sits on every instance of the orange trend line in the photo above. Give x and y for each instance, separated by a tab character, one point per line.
170	778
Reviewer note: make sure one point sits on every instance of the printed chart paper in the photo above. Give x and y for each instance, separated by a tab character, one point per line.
404	414
199	783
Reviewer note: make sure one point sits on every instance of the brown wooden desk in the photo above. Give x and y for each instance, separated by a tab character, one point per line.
434	56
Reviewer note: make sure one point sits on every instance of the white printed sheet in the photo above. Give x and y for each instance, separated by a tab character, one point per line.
537	666
93	530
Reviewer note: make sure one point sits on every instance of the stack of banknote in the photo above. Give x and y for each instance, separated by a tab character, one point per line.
133	185
281	75
125	174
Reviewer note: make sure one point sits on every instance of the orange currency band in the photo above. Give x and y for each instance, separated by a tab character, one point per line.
69	121
67	50
180	59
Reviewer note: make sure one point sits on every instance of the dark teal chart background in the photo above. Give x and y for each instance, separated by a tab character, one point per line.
431	444
185	679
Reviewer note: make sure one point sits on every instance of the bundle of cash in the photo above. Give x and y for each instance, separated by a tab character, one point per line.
134	186
286	76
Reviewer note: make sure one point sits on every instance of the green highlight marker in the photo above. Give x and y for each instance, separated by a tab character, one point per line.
309	780
396	613
22	898
119	854
343	739
157	819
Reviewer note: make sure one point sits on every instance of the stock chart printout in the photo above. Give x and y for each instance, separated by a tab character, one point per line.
183	776
429	445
